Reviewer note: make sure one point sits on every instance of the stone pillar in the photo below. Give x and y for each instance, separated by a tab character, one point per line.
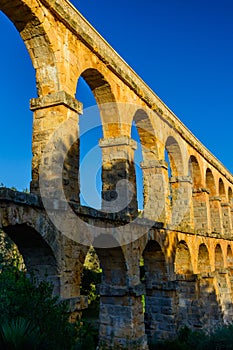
121	318
55	141
226	219
201	210
223	290
71	268
188	311
118	175
181	199
210	312
160	310
156	190
215	214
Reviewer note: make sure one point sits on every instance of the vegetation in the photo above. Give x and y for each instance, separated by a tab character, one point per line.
32	310
31	318
91	280
9	254
220	339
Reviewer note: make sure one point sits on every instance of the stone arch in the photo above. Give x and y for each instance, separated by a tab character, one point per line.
210	183
35	23
39	258
219	262
117	149
195	172
203	259
230	195
16	117
178	186
147	146
154	262
90	155
105	100
175	156
230	201
221	189
147	135
229	257
29	22
198	197
137	166
226	208
183	264
213	202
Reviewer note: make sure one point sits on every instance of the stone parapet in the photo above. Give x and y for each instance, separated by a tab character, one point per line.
8	195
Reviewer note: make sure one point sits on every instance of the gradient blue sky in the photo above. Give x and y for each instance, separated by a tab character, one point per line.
183	49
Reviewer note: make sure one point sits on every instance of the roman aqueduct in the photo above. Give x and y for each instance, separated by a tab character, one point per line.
184	234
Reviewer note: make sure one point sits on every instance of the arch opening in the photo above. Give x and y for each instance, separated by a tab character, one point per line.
138	171
222	192
90	157
203	259
219	262
143	133
90	282
175	156
38	257
213	202
17	122
195	172
229	256
230	196
210	183
183	263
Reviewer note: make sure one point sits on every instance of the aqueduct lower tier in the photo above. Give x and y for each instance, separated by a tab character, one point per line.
187	281
184	234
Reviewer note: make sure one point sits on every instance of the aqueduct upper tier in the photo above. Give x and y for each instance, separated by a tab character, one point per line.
184	234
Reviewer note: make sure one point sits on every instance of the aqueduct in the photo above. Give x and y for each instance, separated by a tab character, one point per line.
184	234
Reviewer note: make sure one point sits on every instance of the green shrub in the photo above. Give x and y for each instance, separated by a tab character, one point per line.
87	336
21	334
21	298
220	339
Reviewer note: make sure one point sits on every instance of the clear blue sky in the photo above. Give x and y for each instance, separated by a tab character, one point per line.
183	49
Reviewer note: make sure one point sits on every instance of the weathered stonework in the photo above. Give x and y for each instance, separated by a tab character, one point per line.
184	234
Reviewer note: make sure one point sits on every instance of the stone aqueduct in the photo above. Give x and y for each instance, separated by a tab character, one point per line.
185	232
